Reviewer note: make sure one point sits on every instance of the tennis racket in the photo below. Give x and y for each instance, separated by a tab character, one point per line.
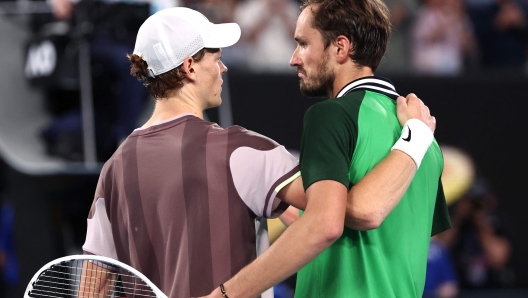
82	276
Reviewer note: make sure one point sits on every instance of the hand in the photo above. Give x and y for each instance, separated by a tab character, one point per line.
62	9
510	16
412	107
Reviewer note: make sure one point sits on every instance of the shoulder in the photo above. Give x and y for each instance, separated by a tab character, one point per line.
338	105
108	166
334	111
239	136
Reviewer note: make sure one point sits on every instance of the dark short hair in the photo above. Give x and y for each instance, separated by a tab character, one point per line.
364	22
165	83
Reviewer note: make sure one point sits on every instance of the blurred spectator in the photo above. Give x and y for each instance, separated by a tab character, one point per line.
441	36
217	11
118	97
267	40
396	57
480	240
440	280
501	31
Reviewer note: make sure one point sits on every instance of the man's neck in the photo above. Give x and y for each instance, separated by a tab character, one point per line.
173	106
346	75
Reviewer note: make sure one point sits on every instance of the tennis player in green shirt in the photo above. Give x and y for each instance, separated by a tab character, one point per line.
361	165
345	137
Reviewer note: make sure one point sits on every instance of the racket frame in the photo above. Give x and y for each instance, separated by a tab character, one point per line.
158	292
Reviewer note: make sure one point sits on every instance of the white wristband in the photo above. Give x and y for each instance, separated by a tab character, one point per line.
415	139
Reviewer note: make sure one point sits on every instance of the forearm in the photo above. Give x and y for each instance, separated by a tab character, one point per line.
496	248
321	224
297	246
289	216
378	193
95	281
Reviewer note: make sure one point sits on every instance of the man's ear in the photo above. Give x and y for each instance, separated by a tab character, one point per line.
188	68
343	48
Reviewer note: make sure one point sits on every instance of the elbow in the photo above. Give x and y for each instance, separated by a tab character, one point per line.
370	222
333	232
365	219
328	231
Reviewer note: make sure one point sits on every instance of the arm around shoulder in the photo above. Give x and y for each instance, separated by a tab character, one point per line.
372	199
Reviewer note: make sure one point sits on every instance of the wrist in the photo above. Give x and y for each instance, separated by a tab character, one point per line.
415	139
223	291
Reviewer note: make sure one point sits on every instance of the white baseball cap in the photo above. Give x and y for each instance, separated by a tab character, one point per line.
169	36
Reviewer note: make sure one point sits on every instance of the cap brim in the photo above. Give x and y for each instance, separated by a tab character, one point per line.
223	35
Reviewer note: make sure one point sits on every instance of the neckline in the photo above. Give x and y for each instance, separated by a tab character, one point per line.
164	121
372	83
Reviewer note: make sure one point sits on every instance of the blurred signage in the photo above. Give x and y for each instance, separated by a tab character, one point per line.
41	59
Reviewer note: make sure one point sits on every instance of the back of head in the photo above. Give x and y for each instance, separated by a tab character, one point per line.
364	22
167	38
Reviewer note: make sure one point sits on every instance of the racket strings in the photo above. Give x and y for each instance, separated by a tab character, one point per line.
49	289
136	285
77	279
88	289
96	271
111	294
134	289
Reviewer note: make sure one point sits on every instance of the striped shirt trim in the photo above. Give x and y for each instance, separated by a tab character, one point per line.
277	186
281	186
373	83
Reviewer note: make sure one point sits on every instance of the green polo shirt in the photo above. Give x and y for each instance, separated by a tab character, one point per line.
343	139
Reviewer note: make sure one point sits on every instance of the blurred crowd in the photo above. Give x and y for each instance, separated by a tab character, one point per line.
448	37
476	252
438	37
430	37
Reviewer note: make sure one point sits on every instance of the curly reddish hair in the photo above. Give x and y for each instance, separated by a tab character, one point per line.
164	84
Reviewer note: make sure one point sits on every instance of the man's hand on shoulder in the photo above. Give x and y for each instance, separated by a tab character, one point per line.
412	107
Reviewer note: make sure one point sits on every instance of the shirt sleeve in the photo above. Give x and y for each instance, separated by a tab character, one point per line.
328	141
259	175
441	219
99	238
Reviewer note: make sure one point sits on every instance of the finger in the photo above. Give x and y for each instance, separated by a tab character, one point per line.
426	108
411	96
401	101
414	101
